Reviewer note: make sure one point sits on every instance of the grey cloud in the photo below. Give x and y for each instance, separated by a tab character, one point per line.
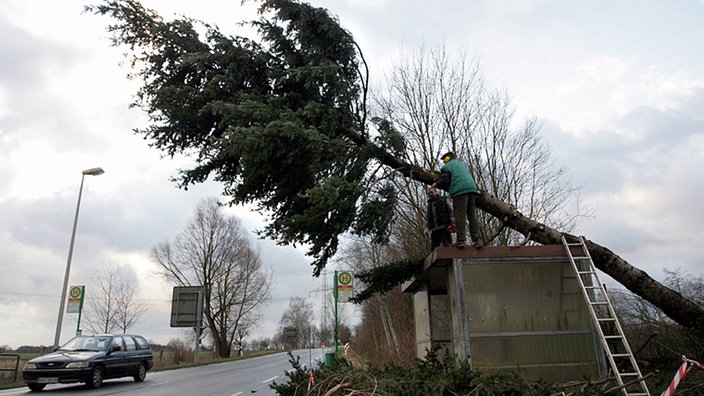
644	140
28	66
45	222
662	132
587	160
27	58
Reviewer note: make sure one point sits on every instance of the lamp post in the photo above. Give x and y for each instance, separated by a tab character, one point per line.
91	172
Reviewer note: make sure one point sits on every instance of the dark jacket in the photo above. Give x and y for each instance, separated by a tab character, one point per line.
439	213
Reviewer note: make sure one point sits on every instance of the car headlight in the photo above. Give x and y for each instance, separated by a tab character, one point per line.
30	366
77	365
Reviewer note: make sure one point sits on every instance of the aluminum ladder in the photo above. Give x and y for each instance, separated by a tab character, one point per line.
618	352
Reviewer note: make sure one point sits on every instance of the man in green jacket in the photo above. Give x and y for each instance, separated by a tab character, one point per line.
456	179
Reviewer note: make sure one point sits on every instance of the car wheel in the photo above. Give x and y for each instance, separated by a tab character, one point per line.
141	373
36	387
96	377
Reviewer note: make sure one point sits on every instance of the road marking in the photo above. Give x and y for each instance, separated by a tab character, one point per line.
237	394
270	379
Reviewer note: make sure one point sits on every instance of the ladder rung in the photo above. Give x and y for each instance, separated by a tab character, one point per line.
629	374
620	355
580	257
592	287
605	319
597	302
613	336
586	272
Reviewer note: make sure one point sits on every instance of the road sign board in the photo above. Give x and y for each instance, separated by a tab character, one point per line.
187	306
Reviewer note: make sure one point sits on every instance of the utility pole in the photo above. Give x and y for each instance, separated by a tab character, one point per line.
325	304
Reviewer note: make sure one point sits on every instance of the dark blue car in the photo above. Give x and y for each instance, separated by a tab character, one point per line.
91	359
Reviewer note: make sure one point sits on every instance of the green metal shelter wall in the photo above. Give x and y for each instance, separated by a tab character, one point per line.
523	314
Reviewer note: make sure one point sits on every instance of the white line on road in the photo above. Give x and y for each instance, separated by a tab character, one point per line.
237	394
270	379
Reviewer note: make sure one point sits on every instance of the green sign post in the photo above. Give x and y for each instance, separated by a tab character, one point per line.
334	290
342	290
75	304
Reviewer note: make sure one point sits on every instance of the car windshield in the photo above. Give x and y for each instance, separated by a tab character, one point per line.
87	343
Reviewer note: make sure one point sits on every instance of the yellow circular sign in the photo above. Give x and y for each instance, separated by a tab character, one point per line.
75	292
345	278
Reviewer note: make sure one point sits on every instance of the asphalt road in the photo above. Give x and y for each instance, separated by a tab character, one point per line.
243	377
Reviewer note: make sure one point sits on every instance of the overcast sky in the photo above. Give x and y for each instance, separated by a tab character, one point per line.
617	85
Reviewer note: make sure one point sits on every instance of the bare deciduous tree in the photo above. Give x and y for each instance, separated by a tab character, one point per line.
128	306
298	315
213	251
439	103
115	303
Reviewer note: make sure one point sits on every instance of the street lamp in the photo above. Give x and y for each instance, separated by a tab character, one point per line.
90	172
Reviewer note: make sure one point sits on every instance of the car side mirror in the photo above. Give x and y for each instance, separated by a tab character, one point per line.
115	348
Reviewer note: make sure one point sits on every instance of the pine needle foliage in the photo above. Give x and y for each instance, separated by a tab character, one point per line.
279	121
432	376
380	280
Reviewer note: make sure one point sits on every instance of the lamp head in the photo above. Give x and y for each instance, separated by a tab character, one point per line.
94	171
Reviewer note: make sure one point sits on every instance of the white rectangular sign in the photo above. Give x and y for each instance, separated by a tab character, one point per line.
75	299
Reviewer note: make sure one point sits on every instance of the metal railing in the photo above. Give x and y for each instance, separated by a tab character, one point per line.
17	364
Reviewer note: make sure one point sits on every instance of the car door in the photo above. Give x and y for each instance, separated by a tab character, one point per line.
116	361
132	355
144	351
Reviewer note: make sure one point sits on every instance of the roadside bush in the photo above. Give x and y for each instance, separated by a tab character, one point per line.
433	376
180	352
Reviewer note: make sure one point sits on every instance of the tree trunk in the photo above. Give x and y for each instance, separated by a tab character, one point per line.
385	325
672	303
394	345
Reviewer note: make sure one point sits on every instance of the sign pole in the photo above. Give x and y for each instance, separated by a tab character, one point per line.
80	310
335	292
199	323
